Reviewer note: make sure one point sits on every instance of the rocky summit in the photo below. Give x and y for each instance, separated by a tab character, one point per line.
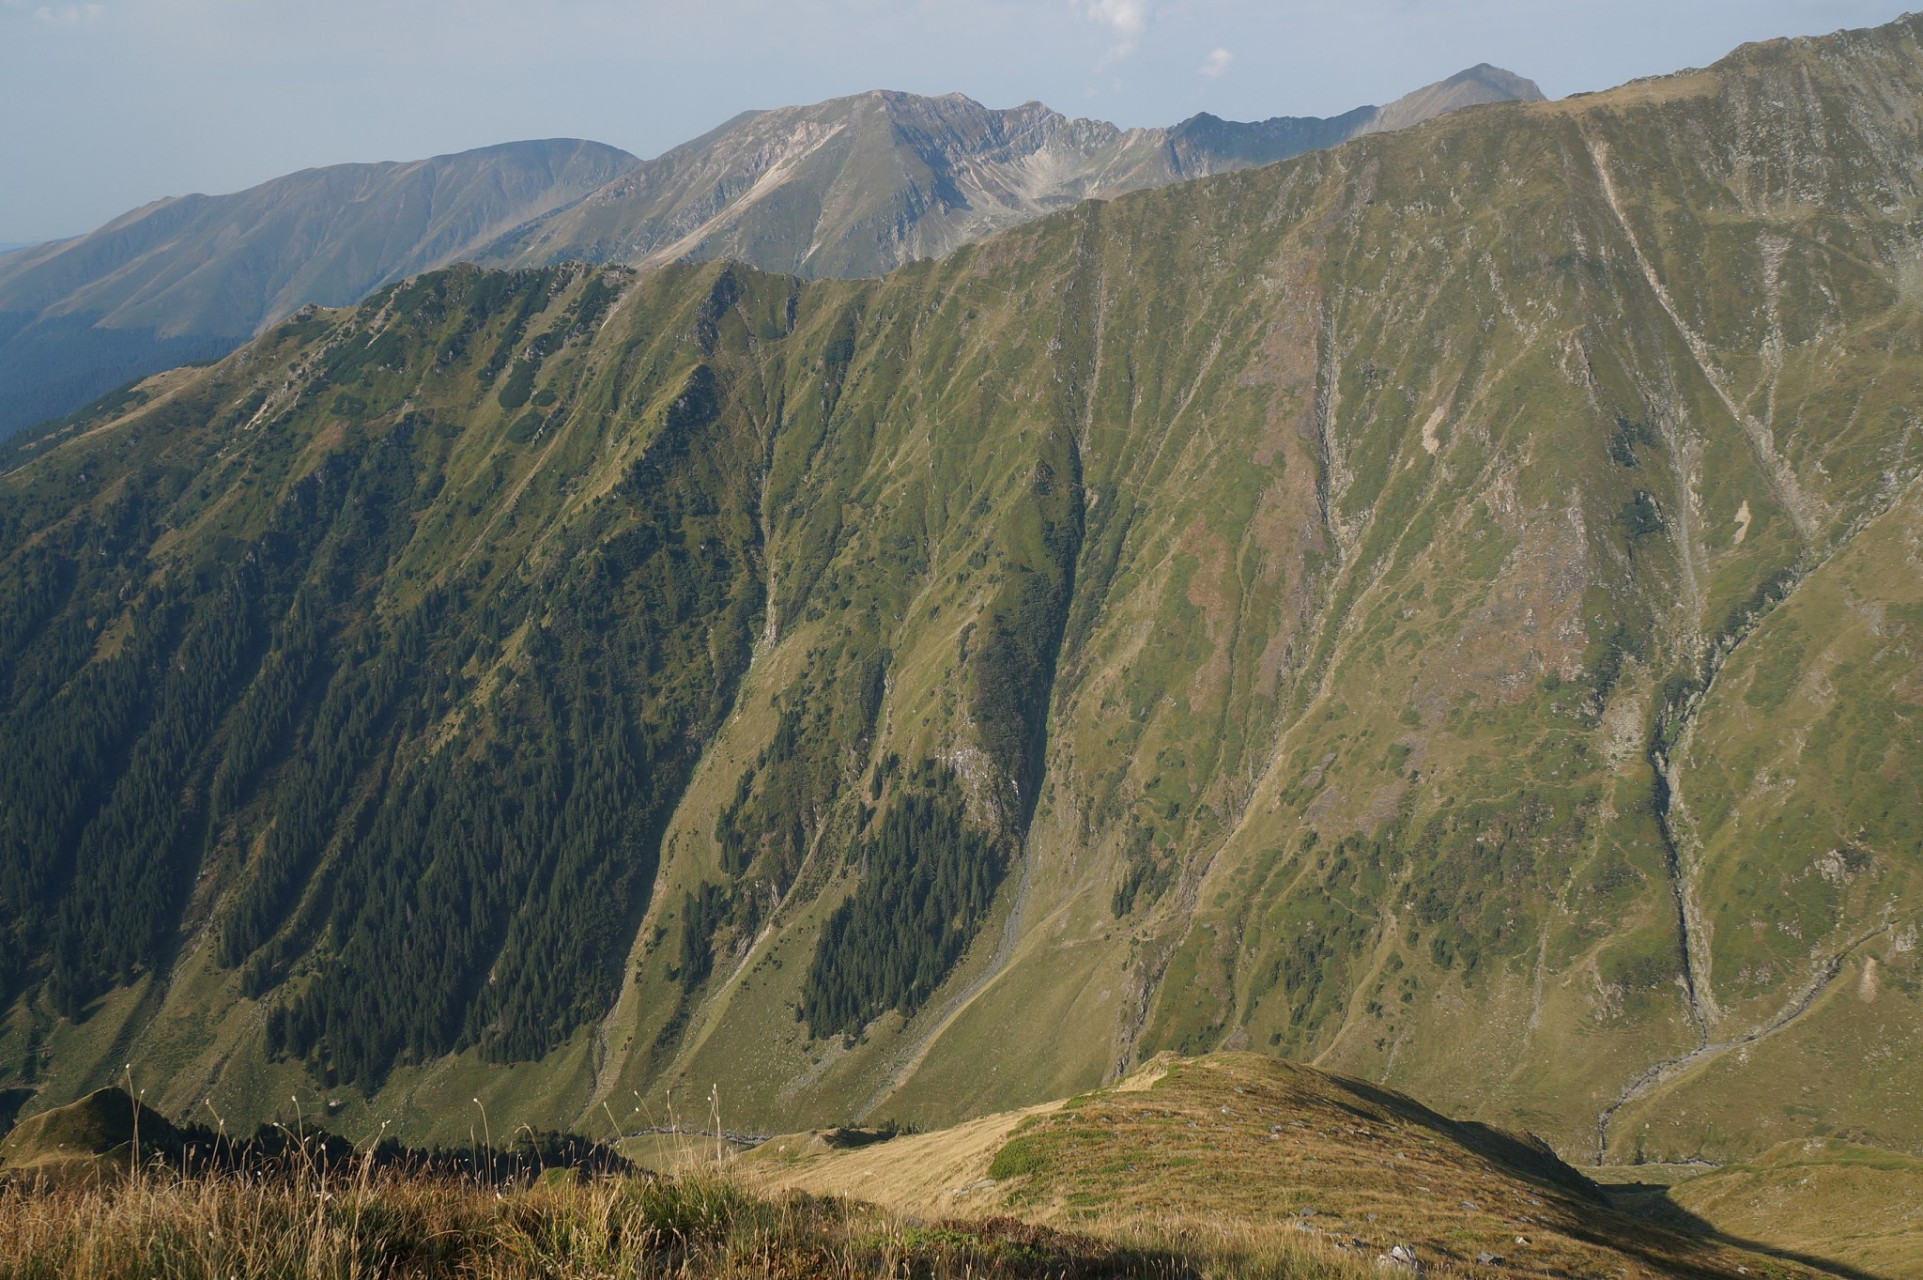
858	186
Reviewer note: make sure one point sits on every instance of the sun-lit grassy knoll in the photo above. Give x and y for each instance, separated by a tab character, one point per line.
1230	1165
103	1188
1251	1156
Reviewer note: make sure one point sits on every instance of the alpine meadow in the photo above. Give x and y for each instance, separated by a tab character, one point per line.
1446	608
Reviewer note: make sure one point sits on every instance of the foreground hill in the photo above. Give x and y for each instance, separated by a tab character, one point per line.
1234	1145
1445	608
849	187
1231	1164
193	277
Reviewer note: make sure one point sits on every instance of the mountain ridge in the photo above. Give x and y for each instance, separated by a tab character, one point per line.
960	171
1443	608
190	277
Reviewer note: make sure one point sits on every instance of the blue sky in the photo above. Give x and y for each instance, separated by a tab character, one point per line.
109	104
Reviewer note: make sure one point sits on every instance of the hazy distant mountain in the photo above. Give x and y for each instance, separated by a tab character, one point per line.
194	276
850	187
1478	85
857	186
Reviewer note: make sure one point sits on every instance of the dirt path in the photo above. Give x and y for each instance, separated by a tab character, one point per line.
930	1175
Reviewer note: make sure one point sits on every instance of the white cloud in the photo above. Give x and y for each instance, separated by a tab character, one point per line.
69	15
1128	19
1216	65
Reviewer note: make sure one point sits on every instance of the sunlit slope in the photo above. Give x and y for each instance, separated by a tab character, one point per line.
1859	1206
1424	493
1308	610
1240	1146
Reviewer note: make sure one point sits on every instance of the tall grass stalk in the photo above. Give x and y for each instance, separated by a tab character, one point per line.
311	1222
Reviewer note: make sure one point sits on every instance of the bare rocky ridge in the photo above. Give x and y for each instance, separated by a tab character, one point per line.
858	186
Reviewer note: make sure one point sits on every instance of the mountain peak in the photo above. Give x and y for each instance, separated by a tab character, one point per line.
850	186
1471	87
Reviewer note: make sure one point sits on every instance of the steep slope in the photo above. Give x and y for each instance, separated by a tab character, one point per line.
193	277
1344	609
858	186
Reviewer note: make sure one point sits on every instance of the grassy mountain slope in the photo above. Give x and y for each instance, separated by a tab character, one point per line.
1860	1206
1238	1144
1332	609
193	277
858	186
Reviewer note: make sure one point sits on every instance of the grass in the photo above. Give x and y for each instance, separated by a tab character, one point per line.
1228	1166
1860	1206
369	1223
364	1221
103	1188
1257	1165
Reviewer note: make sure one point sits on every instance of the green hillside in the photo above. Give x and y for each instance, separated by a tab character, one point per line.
1444	608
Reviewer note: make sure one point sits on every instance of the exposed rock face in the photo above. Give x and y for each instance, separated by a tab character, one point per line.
858	186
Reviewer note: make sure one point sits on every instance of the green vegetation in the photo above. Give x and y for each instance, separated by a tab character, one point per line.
1017	1156
1320	609
927	880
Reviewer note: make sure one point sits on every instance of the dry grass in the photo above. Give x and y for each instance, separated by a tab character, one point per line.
1860	1206
374	1223
1256	1166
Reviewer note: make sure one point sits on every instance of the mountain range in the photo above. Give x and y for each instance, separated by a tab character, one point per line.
859	186
1445	607
192	278
854	186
